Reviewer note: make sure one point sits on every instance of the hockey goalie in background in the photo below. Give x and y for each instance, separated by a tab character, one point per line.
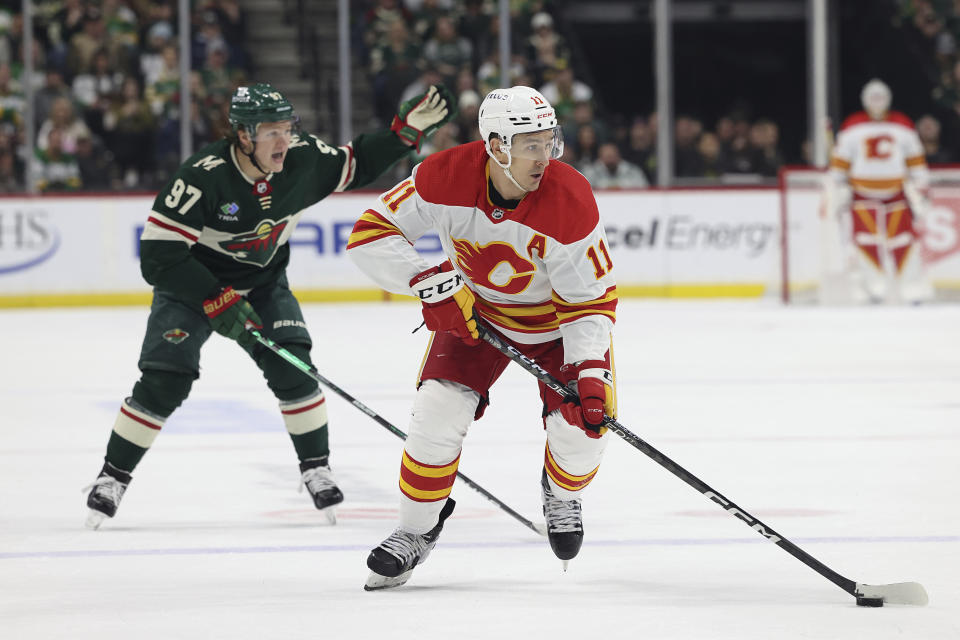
879	191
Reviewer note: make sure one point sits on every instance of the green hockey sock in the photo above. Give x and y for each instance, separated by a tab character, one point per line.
122	453
312	444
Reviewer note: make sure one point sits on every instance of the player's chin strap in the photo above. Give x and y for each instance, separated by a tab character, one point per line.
867	595
252	157
253	150
506	167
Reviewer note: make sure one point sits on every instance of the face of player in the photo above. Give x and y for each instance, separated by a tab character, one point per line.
273	142
531	153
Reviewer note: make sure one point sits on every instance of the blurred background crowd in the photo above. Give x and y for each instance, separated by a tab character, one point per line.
107	87
107	90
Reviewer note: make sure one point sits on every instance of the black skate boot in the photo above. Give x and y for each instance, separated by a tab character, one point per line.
316	476
564	523
395	559
105	494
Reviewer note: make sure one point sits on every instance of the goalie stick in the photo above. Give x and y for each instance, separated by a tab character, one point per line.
311	371
866	594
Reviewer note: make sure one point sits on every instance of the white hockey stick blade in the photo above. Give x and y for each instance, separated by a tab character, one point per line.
897	593
541	528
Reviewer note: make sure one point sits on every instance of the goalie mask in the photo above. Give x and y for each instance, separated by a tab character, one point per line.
876	98
510	114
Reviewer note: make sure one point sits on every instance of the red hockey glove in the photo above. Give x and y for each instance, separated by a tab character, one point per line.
420	116
447	302
594	384
231	315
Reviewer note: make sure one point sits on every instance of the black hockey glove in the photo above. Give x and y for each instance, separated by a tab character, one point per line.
419	117
231	315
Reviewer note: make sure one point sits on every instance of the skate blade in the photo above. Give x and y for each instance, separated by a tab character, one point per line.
565	563
377	582
330	515
94	519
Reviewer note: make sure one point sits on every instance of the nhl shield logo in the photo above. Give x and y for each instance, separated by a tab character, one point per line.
175	336
262	188
497	214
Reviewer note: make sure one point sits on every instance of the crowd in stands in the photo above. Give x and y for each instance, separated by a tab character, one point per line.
107	90
935	25
408	44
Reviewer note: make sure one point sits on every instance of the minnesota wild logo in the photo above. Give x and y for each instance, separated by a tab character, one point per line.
256	247
176	336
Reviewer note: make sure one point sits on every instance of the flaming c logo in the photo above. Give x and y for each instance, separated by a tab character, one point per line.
495	266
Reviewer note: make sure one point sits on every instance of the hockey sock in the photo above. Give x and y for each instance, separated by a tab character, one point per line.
306	422
133	432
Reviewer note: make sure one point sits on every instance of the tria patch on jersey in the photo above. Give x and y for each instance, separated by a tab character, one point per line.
228	212
175	336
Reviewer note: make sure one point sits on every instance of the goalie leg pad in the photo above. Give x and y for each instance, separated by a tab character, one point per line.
915	285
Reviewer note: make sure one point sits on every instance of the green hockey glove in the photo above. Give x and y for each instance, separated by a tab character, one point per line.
419	117
231	315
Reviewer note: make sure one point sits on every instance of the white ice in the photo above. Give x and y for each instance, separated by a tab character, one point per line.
838	428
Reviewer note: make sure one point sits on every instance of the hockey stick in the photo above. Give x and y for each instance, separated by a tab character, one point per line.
866	594
313	373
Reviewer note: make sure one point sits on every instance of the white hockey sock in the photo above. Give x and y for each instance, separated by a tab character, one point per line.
137	425
305	414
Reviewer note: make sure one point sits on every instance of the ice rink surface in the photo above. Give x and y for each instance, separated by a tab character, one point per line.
839	428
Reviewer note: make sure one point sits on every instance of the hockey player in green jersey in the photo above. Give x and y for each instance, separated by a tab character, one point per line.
215	250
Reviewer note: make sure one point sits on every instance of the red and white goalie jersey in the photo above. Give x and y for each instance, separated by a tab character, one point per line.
540	272
876	156
883	161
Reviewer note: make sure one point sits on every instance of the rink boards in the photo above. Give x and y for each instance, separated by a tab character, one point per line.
666	243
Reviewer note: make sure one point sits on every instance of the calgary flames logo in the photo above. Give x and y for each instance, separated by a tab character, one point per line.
495	266
257	246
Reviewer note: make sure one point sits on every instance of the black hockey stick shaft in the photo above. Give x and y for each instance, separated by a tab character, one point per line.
635	441
313	373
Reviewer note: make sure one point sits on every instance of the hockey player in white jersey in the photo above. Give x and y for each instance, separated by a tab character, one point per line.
527	255
879	168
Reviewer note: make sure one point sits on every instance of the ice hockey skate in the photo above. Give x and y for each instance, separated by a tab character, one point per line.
392	563
564	523
317	477
105	494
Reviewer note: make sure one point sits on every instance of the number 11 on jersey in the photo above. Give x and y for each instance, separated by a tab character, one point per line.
598	269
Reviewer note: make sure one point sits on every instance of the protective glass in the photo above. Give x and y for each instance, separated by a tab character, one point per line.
269	132
539	145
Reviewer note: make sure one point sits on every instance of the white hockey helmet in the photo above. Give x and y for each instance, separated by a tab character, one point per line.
876	97
506	113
